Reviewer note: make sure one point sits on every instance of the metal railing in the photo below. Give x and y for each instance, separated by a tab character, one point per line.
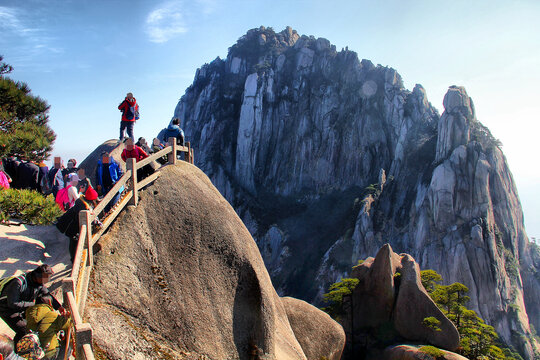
75	287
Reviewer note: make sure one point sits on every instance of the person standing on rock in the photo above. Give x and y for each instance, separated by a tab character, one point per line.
130	113
108	172
18	293
136	152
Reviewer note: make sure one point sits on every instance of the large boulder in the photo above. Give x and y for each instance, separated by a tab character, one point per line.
388	307
180	274
410	352
414	304
319	335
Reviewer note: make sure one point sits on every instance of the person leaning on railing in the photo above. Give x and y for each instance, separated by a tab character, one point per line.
68	223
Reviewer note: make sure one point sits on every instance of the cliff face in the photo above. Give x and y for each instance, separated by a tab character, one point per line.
326	158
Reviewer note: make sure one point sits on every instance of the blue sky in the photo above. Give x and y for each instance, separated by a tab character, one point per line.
83	56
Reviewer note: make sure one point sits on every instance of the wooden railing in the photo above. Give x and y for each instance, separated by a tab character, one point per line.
75	287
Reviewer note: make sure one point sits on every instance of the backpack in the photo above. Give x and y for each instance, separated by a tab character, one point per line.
29	347
62	198
5	281
132	112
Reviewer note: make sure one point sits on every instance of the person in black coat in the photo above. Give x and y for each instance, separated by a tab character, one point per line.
68	223
21	292
28	176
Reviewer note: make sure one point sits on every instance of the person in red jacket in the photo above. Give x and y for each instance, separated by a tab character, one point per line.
137	153
130	113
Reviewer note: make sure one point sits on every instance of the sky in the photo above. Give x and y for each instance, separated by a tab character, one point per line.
83	56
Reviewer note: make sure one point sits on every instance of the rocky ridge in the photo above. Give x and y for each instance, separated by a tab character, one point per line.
326	158
179	276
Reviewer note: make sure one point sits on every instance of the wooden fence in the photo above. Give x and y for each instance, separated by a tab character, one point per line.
75	287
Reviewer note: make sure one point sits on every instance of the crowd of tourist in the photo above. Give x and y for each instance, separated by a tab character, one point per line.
26	306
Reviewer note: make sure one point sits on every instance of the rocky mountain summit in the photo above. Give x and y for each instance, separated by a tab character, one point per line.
180	277
326	158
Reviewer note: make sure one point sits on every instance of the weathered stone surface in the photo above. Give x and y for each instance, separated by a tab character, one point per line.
318	334
413	305
298	155
180	274
389	305
410	352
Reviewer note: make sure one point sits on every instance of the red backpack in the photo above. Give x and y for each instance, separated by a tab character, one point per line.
62	198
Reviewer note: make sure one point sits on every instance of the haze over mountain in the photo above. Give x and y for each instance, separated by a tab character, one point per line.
326	157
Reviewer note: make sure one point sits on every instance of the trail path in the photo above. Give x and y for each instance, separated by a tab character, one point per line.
23	247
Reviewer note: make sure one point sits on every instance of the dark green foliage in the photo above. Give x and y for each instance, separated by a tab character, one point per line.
481	134
478	340
432	323
334	296
29	206
24	130
511	264
433	352
4	68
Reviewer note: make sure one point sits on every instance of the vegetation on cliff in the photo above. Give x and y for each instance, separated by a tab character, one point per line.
478	340
25	132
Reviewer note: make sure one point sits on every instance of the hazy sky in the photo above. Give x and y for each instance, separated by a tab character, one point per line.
84	56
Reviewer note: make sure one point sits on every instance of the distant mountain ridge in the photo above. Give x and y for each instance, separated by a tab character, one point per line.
326	158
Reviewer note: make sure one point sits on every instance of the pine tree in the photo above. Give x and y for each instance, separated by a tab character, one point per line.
25	132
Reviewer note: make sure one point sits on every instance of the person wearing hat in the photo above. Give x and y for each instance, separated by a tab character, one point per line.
18	293
68	223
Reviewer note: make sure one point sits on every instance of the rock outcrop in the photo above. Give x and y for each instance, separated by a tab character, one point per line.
179	276
326	157
389	305
409	352
89	164
318	334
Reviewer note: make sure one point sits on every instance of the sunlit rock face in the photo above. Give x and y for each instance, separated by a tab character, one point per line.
326	158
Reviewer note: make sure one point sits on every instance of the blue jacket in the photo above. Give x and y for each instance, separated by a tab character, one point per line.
114	170
172	131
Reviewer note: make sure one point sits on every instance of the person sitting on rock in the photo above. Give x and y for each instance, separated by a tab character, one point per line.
6	349
18	293
68	223
47	323
108	172
135	152
173	130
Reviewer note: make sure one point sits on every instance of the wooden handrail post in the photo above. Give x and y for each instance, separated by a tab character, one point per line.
172	155
186	154
68	285
83	335
85	218
191	157
131	165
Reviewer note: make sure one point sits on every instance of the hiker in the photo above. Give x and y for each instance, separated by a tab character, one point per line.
28	175
157	146
107	174
66	197
6	349
135	152
5	179
11	165
143	145
18	293
83	180
173	130
68	223
56	180
43	180
130	113
47	323
71	169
